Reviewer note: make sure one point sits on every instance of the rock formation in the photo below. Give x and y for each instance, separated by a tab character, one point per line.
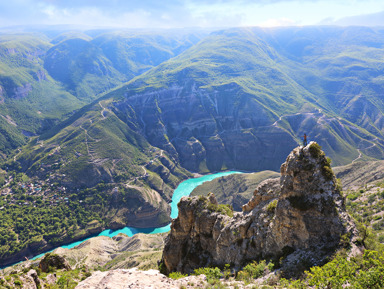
53	261
301	219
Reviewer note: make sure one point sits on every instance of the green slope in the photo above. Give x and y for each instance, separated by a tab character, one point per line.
29	98
242	99
44	78
88	66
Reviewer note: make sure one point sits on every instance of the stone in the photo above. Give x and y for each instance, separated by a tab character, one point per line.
33	274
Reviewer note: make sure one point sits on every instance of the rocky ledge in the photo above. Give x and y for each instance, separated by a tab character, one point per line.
299	221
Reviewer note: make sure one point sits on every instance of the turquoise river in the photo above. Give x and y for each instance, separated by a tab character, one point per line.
184	189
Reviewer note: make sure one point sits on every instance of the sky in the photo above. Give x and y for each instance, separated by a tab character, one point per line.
190	13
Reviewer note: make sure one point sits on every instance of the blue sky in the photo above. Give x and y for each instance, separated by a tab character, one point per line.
188	13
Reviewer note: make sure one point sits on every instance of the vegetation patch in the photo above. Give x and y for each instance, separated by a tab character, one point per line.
210	273
254	270
177	275
221	208
315	150
365	271
271	207
326	169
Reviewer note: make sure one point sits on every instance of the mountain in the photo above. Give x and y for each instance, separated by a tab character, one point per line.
89	66
29	99
46	76
242	98
373	20
238	99
90	145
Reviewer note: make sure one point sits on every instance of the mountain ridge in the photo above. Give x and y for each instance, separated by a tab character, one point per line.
239	99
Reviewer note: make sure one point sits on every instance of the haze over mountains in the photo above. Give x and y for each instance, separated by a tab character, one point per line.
47	76
138	112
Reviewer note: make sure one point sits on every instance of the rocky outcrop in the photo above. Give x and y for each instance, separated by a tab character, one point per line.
53	261
22	91
32	274
302	217
267	190
1	95
138	207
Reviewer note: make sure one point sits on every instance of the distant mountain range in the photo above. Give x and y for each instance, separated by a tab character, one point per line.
374	20
238	99
46	76
140	112
242	98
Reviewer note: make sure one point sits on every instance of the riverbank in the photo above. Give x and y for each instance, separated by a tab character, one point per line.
184	189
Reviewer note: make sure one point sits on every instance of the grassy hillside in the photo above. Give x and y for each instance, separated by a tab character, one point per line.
46	76
88	66
29	99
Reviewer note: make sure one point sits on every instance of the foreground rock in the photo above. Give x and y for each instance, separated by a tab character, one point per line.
132	278
301	218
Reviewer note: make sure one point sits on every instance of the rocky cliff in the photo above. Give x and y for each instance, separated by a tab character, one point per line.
301	218
208	130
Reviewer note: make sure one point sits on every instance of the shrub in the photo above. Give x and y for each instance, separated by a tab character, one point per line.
272	206
371	198
221	208
353	196
227	271
210	273
176	275
339	185
162	268
327	173
326	169
253	270
345	240
315	150
359	272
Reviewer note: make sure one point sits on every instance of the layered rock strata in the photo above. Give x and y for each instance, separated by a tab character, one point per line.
303	216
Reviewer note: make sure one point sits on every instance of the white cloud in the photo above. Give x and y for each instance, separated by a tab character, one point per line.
181	13
278	22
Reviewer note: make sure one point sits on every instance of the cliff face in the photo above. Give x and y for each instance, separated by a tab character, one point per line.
208	130
303	216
